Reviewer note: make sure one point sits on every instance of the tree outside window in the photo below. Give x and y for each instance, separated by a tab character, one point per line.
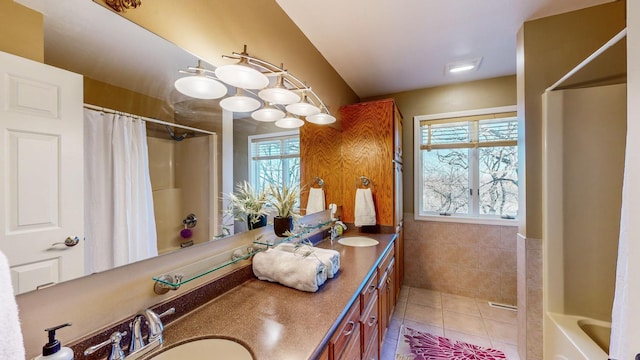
274	159
468	166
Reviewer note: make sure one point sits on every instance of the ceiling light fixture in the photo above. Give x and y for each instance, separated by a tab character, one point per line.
463	66
199	85
250	74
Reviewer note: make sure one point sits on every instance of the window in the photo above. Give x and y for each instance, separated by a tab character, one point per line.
467	164
274	159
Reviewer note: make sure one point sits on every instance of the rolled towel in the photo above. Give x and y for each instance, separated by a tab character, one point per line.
306	273
365	211
315	203
330	258
11	342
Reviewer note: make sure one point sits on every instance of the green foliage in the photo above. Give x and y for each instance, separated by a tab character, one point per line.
284	199
245	202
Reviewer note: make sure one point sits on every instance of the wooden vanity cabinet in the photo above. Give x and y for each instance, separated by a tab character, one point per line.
348	333
369	318
386	293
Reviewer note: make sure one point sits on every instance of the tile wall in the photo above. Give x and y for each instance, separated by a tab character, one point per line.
463	259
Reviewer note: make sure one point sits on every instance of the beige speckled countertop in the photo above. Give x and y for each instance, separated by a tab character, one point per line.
277	322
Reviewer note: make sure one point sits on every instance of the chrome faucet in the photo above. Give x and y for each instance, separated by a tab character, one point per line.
137	346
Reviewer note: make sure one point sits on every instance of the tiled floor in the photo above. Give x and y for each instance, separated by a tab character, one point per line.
456	317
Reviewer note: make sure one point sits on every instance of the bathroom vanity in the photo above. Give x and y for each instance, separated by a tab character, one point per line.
345	318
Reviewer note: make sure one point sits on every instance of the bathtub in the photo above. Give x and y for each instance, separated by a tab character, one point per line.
569	337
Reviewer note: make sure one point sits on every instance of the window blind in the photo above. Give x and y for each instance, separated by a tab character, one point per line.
500	129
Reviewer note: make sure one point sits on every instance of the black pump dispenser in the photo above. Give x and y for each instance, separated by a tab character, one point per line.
53	346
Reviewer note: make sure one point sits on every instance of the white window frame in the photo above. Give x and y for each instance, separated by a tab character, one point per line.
251	139
418	179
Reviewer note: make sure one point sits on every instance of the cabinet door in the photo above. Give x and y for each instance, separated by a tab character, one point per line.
383	307
347	330
353	347
41	167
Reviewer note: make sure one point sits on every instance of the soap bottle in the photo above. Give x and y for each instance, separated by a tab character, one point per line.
52	350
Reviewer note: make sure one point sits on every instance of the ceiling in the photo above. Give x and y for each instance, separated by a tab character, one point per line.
382	47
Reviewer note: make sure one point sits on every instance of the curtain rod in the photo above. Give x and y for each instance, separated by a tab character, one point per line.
155	121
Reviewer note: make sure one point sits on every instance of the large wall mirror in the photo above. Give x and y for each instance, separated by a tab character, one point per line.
131	70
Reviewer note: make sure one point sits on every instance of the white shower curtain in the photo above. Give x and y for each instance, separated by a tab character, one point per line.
120	226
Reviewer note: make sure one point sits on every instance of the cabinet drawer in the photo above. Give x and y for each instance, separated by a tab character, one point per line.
369	321
352	352
347	329
371	350
384	264
368	292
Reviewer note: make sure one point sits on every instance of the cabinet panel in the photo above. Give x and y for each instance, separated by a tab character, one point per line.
369	291
349	327
353	347
369	321
367	148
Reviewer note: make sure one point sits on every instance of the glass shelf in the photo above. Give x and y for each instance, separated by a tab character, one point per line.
172	280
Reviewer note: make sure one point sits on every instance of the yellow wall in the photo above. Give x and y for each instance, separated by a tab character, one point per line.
552	47
112	97
21	31
479	94
593	135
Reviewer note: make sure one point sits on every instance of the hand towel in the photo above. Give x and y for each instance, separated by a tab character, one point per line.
365	211
330	258
315	203
305	273
11	343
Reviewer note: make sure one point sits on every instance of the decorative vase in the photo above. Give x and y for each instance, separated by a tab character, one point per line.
262	221
282	224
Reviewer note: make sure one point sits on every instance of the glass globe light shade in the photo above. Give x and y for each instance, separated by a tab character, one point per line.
321	118
200	87
279	95
303	108
242	76
240	103
289	122
267	114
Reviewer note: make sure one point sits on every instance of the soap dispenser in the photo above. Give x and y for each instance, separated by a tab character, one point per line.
52	350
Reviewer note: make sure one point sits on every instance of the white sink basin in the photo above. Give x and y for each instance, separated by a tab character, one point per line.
358	241
205	349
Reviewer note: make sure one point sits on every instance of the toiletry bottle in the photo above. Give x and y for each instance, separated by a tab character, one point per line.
52	350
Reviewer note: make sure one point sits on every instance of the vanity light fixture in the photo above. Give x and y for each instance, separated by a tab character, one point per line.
289	122
321	118
199	84
250	74
463	66
268	114
242	75
240	102
279	94
303	108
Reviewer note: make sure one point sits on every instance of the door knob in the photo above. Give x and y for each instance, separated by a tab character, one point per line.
70	241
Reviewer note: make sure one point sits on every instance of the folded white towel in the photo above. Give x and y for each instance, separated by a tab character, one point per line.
11	343
330	258
316	200
365	211
306	273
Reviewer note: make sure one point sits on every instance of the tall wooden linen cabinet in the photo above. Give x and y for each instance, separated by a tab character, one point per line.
372	147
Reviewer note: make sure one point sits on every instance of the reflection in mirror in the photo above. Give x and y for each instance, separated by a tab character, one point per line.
132	71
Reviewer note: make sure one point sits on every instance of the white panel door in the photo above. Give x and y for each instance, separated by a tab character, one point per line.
41	172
